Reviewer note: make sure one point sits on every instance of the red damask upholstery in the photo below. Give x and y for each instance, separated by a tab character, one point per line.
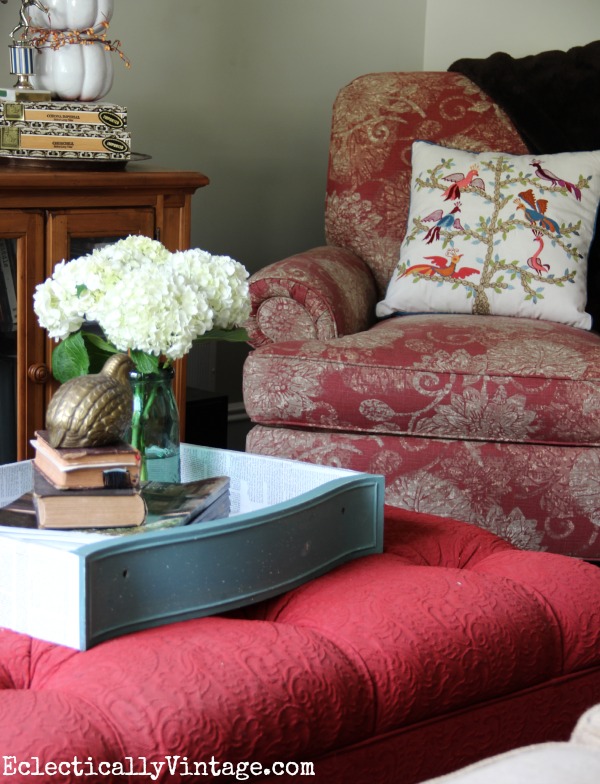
493	420
450	646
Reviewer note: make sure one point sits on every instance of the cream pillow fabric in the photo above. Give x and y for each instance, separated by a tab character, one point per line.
544	763
500	234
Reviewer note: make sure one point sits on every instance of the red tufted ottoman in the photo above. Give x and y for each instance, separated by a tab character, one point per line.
450	646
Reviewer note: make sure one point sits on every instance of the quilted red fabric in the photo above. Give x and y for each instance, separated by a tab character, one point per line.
449	646
491	420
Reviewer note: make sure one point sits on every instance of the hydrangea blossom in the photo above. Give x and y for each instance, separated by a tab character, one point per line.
143	297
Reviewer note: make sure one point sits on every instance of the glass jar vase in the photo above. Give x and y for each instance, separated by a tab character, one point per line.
155	425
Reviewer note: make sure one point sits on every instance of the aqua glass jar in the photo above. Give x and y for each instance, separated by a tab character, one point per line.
155	425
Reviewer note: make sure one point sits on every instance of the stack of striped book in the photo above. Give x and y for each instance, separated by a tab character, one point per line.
64	130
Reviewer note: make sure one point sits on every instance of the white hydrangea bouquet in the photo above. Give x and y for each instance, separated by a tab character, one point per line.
146	300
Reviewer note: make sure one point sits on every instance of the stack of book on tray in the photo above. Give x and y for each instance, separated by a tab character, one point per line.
99	488
91	487
64	130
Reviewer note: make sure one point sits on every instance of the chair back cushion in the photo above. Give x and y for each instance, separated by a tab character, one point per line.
376	118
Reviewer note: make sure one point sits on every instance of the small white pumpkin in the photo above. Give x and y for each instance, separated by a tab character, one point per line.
72	14
74	72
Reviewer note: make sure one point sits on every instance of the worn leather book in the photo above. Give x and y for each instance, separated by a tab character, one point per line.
187	502
89	508
156	506
112	466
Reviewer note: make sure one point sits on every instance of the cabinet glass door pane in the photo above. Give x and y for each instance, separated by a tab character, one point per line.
73	233
8	350
81	246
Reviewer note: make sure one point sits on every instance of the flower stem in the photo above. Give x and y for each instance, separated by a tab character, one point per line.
138	421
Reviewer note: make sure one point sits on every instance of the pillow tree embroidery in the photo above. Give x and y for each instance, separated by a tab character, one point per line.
497	233
496	272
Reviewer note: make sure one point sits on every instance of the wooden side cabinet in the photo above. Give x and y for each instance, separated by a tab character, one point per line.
48	215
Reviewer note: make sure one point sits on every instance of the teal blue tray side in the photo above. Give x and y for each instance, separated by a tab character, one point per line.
140	581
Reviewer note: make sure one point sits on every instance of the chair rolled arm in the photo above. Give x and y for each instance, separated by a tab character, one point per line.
323	293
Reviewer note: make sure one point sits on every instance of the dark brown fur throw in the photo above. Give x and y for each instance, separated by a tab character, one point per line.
553	98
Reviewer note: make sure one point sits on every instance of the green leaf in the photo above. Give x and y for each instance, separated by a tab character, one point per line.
144	363
70	358
99	342
98	349
232	335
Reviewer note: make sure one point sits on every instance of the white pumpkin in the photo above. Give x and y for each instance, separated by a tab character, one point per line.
74	72
72	14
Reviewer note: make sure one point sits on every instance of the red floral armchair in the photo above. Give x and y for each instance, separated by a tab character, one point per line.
493	420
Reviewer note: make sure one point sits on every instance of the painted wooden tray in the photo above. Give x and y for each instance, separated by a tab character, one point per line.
289	523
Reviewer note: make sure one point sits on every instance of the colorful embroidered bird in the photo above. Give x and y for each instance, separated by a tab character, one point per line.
535	262
441	265
536	211
546	174
461	181
447	221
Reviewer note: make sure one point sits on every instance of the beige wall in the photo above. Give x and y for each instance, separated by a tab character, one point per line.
477	28
242	90
246	88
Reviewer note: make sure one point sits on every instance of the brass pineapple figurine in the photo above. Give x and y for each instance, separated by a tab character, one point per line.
92	410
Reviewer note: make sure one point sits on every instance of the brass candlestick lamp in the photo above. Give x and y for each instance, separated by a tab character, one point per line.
21	56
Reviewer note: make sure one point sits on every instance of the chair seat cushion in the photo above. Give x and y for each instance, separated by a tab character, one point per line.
464	377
